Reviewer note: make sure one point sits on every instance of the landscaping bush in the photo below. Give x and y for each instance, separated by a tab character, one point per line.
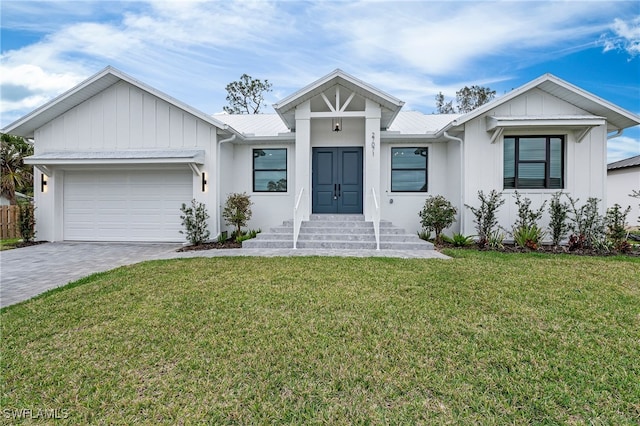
247	235
587	224
459	240
27	222
526	232
616	221
559	214
486	216
436	215
237	212
194	220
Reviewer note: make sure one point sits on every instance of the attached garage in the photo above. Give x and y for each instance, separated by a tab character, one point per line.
125	205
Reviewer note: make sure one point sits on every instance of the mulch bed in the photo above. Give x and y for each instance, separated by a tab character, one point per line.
229	244
28	244
549	249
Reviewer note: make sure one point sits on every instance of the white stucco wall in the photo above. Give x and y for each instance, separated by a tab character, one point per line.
620	183
269	209
402	207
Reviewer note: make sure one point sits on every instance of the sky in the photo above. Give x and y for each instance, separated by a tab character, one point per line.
410	49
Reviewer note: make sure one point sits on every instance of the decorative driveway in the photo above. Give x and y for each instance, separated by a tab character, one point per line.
29	271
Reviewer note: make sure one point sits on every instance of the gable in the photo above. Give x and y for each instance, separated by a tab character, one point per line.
337	95
123	116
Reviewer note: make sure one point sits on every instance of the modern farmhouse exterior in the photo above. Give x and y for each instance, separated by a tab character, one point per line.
116	158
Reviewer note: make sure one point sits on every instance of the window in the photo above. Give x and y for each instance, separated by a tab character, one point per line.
270	170
409	169
534	162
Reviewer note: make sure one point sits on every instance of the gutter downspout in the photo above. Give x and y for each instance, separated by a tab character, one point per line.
615	135
218	145
462	182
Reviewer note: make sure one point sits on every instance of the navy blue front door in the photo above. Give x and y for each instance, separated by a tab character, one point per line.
337	180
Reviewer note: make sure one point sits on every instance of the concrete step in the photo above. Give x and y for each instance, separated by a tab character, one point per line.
337	237
337	245
338	232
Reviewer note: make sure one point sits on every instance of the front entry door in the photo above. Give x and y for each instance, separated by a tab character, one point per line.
337	180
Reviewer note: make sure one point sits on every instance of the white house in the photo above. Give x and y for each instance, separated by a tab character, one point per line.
623	177
116	158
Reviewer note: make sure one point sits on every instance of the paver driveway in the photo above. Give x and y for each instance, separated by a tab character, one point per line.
29	271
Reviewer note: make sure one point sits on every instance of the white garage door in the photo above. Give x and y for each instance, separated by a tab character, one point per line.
125	205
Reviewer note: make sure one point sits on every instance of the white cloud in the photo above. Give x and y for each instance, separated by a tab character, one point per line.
626	36
444	38
622	147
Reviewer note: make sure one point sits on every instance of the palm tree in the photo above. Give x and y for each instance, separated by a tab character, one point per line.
14	174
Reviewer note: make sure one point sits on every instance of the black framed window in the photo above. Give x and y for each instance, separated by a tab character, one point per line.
409	169
533	162
270	170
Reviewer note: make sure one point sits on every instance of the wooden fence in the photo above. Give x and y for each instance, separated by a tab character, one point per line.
9	222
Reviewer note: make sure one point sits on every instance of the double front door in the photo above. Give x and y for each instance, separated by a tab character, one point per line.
337	180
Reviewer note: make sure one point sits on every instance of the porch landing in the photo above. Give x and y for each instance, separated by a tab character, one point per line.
338	232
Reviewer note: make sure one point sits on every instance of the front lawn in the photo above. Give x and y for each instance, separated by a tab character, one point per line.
486	338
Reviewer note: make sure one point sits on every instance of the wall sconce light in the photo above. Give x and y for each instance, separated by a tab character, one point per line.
336	124
204	182
373	143
43	183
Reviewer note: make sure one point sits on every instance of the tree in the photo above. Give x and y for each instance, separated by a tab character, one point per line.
14	174
246	96
467	99
237	211
436	215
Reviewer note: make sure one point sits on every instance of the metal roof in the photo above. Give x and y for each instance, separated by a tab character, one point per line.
627	162
125	156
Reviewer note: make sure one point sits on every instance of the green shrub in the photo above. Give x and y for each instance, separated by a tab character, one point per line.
424	235
486	216
495	240
459	240
237	212
559	214
436	215
528	236
27	222
247	235
586	222
526	232
194	220
616	220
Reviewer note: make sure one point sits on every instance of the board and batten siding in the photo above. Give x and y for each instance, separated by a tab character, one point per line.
585	170
124	117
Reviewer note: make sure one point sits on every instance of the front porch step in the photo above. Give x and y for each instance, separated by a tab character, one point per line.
338	232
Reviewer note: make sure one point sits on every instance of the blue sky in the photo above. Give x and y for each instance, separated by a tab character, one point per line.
412	50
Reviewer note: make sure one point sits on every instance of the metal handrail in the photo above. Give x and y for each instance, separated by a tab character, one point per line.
297	221
376	218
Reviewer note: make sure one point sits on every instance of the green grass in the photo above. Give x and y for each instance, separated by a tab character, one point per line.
9	243
487	338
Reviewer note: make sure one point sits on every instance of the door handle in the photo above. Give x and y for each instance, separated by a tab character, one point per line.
335	196
338	190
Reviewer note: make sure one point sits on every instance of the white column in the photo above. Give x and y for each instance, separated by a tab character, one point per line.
303	158
371	156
